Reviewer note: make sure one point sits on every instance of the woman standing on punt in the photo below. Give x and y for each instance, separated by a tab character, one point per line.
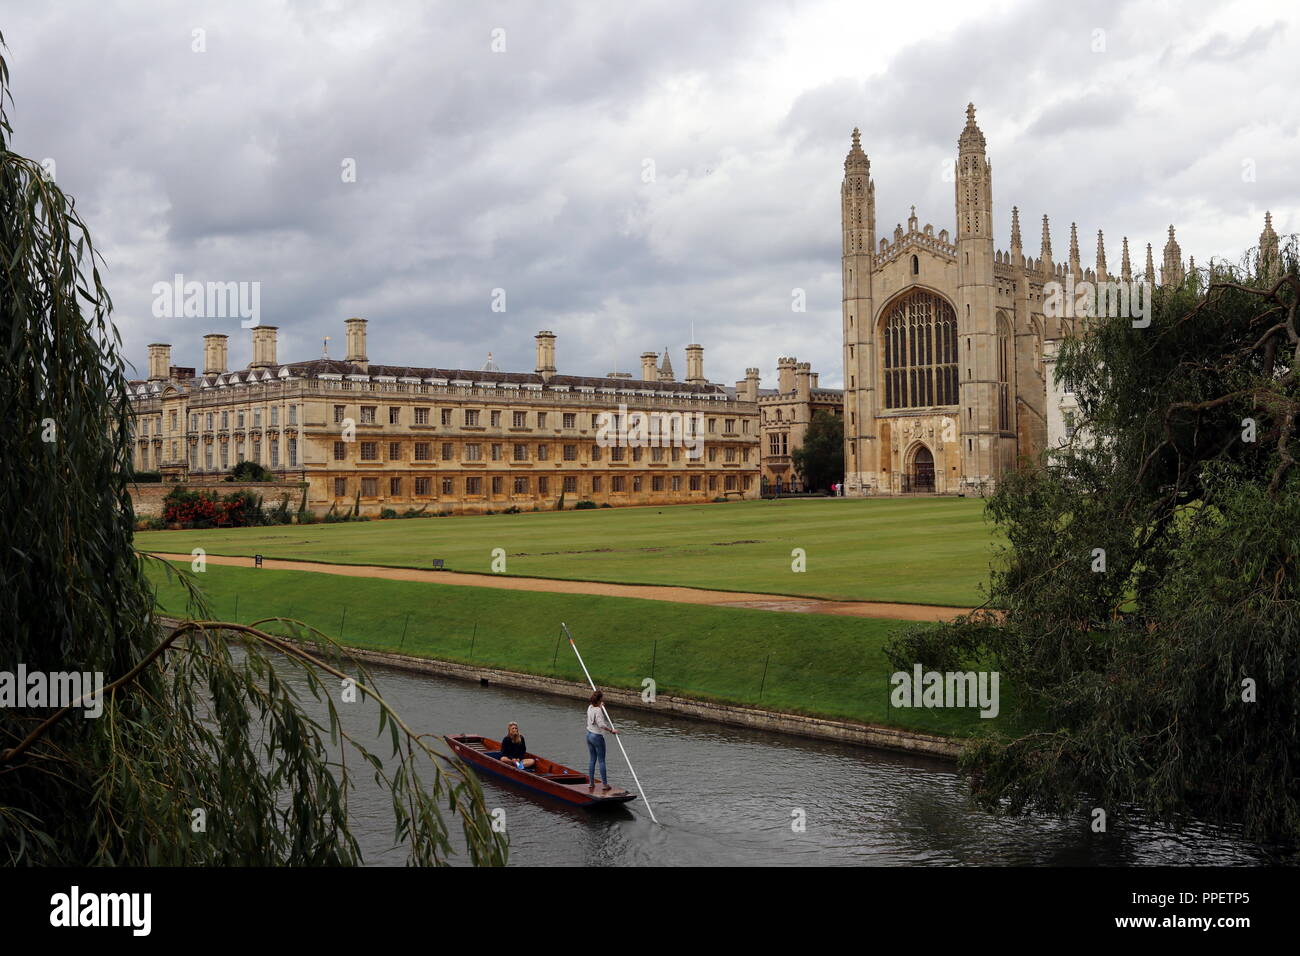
597	724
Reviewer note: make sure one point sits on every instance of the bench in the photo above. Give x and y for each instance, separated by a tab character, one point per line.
437	564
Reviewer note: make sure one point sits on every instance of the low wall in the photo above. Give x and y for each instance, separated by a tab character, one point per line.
147	499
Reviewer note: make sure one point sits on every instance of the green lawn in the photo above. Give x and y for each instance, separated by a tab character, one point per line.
814	664
913	550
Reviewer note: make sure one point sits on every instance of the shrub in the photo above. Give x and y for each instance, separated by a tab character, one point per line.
249	471
146	477
584	506
388	513
199	509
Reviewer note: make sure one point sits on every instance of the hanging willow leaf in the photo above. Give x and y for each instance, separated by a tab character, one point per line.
189	723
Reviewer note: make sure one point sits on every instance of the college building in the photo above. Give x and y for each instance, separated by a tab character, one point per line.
949	351
784	414
451	440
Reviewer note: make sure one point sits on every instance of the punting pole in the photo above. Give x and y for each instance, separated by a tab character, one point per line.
618	737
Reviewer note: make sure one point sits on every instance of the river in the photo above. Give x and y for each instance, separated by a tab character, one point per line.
730	796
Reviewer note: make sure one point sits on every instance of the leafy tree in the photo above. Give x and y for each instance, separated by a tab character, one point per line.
1151	585
187	722
249	471
819	461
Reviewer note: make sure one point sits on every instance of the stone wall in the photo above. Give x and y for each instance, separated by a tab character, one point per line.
147	499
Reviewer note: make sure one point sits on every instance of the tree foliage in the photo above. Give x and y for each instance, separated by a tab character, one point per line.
819	461
189	722
1169	677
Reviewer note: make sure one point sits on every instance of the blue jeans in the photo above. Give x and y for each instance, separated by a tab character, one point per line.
596	751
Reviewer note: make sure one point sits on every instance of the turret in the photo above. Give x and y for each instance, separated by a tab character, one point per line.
1171	271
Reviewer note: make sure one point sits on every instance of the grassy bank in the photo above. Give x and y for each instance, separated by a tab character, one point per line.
811	664
914	550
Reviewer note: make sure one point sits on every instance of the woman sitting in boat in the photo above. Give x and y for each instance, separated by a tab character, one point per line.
513	749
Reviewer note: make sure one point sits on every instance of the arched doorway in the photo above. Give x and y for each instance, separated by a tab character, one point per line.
920	473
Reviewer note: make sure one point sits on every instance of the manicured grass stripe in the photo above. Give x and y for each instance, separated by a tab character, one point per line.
811	664
910	550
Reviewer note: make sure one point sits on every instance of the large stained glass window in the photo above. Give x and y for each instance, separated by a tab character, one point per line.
920	343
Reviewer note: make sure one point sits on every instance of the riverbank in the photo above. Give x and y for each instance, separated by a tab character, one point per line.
799	725
805	665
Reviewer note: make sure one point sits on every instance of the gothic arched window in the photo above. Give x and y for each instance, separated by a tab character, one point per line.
919	335
1004	373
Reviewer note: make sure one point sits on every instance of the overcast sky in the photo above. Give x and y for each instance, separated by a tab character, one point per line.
524	169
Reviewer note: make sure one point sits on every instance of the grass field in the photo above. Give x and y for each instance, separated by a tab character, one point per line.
910	550
812	664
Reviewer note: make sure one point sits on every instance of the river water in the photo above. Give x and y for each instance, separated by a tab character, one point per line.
729	796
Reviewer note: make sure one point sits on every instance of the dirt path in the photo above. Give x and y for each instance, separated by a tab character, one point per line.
680	595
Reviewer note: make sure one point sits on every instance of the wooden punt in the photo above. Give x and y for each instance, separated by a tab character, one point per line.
546	776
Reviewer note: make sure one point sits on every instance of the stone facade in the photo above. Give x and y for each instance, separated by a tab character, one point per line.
784	415
948	349
454	440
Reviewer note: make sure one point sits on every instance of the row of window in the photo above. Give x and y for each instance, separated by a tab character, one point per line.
222	455
519	451
422	486
153	424
473	418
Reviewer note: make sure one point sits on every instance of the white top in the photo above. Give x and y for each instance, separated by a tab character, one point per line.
597	722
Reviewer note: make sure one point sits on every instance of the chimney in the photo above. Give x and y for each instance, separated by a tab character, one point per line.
815	376
803	380
160	362
545	355
785	375
695	365
214	354
356	336
649	373
263	346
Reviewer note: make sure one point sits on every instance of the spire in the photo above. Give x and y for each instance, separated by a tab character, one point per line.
857	159
971	138
1101	257
1074	248
1268	259
1151	267
1171	270
666	368
1125	267
1015	229
1045	252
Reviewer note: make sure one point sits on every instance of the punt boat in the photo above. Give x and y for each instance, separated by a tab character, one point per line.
546	776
